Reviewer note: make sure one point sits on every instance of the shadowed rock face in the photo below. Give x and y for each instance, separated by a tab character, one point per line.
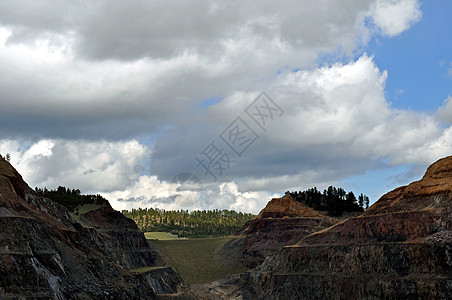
46	254
400	248
124	241
282	222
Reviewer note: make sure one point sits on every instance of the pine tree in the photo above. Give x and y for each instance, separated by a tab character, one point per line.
366	202
361	200
350	200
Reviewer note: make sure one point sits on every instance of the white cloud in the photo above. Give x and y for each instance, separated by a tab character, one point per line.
89	65
395	16
338	124
344	107
109	168
87	165
336	117
149	191
84	80
445	111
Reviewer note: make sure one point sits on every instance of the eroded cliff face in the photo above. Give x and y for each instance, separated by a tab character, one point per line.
282	222
46	254
400	248
124	241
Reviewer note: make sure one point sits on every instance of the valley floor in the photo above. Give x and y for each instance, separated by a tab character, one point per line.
198	260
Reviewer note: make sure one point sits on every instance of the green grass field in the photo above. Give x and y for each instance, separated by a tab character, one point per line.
197	260
163	236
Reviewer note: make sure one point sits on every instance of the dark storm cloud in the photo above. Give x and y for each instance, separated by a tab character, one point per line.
135	29
62	61
103	71
175	153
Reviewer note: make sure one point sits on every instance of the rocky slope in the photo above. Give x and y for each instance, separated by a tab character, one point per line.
47	254
400	248
124	241
282	222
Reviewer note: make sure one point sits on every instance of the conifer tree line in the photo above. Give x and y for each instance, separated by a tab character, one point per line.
334	200
70	198
183	223
179	222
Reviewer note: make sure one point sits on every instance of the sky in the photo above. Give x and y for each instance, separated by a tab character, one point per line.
224	105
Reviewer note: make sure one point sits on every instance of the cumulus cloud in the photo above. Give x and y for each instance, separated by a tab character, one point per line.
335	116
336	123
90	166
85	81
136	29
149	191
395	16
445	111
124	69
110	168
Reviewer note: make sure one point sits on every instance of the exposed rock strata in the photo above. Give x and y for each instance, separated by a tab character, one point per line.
282	222
124	241
400	248
46	254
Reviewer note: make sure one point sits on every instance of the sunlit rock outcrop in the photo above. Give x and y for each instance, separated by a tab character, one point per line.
400	248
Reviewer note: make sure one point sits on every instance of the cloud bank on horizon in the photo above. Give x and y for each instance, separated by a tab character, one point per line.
118	98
